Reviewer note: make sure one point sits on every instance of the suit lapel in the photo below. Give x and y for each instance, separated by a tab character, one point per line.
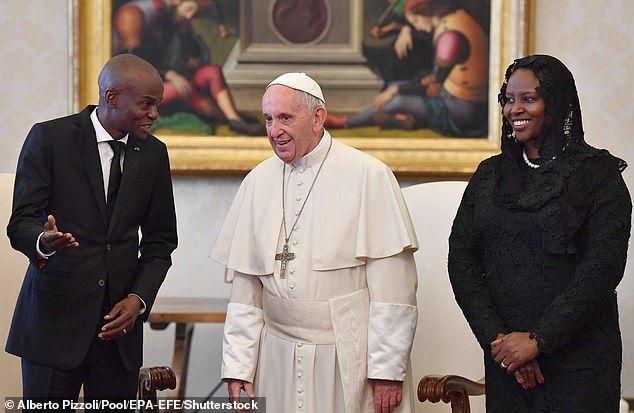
131	167
87	144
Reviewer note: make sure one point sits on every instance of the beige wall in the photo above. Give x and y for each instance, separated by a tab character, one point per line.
13	263
594	38
34	56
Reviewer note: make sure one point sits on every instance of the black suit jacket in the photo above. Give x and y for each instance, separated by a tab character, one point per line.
59	306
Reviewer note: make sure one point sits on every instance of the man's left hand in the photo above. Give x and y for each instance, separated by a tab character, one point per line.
121	317
387	395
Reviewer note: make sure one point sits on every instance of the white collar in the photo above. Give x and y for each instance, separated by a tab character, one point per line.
100	131
315	156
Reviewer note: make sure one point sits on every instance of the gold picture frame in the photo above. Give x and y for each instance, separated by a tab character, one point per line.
423	159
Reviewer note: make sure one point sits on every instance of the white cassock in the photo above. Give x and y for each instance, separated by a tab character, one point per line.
345	312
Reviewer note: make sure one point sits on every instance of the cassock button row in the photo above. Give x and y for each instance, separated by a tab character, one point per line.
300	404
300	390
101	282
300	345
292	286
295	242
299	359
292	271
300	374
299	198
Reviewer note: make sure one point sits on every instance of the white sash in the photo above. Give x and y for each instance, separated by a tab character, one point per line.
342	321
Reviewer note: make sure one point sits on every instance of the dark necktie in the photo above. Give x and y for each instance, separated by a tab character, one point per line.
115	175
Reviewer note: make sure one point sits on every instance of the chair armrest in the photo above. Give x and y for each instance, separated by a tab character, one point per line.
151	380
450	389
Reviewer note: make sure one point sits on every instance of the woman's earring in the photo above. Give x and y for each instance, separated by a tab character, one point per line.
568	125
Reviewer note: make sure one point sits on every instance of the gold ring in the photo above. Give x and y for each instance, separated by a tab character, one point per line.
504	366
125	331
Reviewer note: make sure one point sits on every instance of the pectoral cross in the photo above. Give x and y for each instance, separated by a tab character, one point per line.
285	257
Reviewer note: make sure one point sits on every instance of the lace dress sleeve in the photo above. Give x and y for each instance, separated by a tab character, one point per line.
466	267
603	241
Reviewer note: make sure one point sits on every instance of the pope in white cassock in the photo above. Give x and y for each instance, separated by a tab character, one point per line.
323	311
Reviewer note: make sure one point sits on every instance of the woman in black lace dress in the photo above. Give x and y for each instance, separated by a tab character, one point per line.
537	249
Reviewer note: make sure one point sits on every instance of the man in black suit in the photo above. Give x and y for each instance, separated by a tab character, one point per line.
91	282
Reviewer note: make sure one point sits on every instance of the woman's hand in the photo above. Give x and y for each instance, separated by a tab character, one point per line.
513	350
528	374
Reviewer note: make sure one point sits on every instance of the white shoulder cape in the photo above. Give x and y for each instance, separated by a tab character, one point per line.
359	213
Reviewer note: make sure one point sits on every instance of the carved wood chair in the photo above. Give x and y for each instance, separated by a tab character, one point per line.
151	380
451	389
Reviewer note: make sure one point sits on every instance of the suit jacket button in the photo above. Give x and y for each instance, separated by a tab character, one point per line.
101	282
108	247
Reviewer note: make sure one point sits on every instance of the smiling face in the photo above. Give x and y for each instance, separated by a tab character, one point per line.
524	107
292	127
135	106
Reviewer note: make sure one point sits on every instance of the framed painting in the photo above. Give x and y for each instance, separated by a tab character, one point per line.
346	45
